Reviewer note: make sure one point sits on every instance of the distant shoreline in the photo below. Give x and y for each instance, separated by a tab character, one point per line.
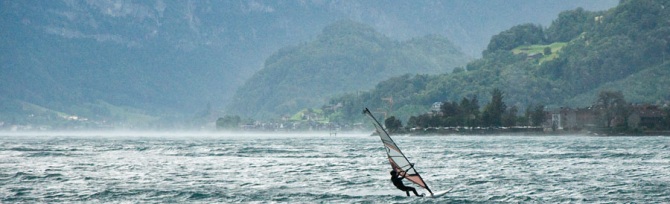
529	132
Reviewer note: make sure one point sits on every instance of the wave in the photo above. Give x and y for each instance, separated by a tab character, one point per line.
25	176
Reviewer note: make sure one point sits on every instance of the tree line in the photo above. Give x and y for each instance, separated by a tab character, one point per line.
610	111
467	113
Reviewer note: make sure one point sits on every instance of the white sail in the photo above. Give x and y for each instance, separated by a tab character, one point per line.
397	159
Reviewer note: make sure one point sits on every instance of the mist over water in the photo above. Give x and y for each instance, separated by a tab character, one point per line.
233	167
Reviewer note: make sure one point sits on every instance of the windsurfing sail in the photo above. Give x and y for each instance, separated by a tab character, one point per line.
398	160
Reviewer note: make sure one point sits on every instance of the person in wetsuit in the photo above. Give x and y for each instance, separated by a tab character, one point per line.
397	182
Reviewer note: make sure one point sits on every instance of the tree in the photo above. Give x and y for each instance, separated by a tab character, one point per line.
470	110
666	118
228	122
492	116
612	107
526	34
546	51
392	124
452	114
474	111
569	25
537	115
509	117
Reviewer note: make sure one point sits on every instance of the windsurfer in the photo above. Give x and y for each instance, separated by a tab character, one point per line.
397	182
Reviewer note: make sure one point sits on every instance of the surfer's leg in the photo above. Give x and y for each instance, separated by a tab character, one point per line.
407	189
415	193
413	190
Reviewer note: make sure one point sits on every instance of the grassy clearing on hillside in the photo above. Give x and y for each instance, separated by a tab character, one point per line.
32	108
129	114
532	50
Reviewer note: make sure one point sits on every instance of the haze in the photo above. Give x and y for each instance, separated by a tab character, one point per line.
157	65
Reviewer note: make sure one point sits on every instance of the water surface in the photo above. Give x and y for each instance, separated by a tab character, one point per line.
223	168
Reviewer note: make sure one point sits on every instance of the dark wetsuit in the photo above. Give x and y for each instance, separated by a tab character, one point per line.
397	182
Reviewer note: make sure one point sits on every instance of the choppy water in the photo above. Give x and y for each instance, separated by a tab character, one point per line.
211	168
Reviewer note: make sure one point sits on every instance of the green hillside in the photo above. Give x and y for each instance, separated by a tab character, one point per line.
625	48
347	56
165	60
647	86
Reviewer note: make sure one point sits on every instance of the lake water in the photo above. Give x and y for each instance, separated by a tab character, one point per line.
308	168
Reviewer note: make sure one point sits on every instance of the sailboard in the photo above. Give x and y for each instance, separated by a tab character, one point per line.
441	193
398	160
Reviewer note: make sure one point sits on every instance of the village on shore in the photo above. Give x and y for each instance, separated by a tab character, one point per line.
643	119
610	115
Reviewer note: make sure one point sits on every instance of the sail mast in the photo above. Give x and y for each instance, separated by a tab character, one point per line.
398	160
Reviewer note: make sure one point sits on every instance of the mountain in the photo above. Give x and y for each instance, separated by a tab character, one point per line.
141	61
347	56
647	86
566	64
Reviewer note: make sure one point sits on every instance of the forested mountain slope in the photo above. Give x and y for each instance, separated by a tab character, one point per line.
625	48
347	56
159	63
